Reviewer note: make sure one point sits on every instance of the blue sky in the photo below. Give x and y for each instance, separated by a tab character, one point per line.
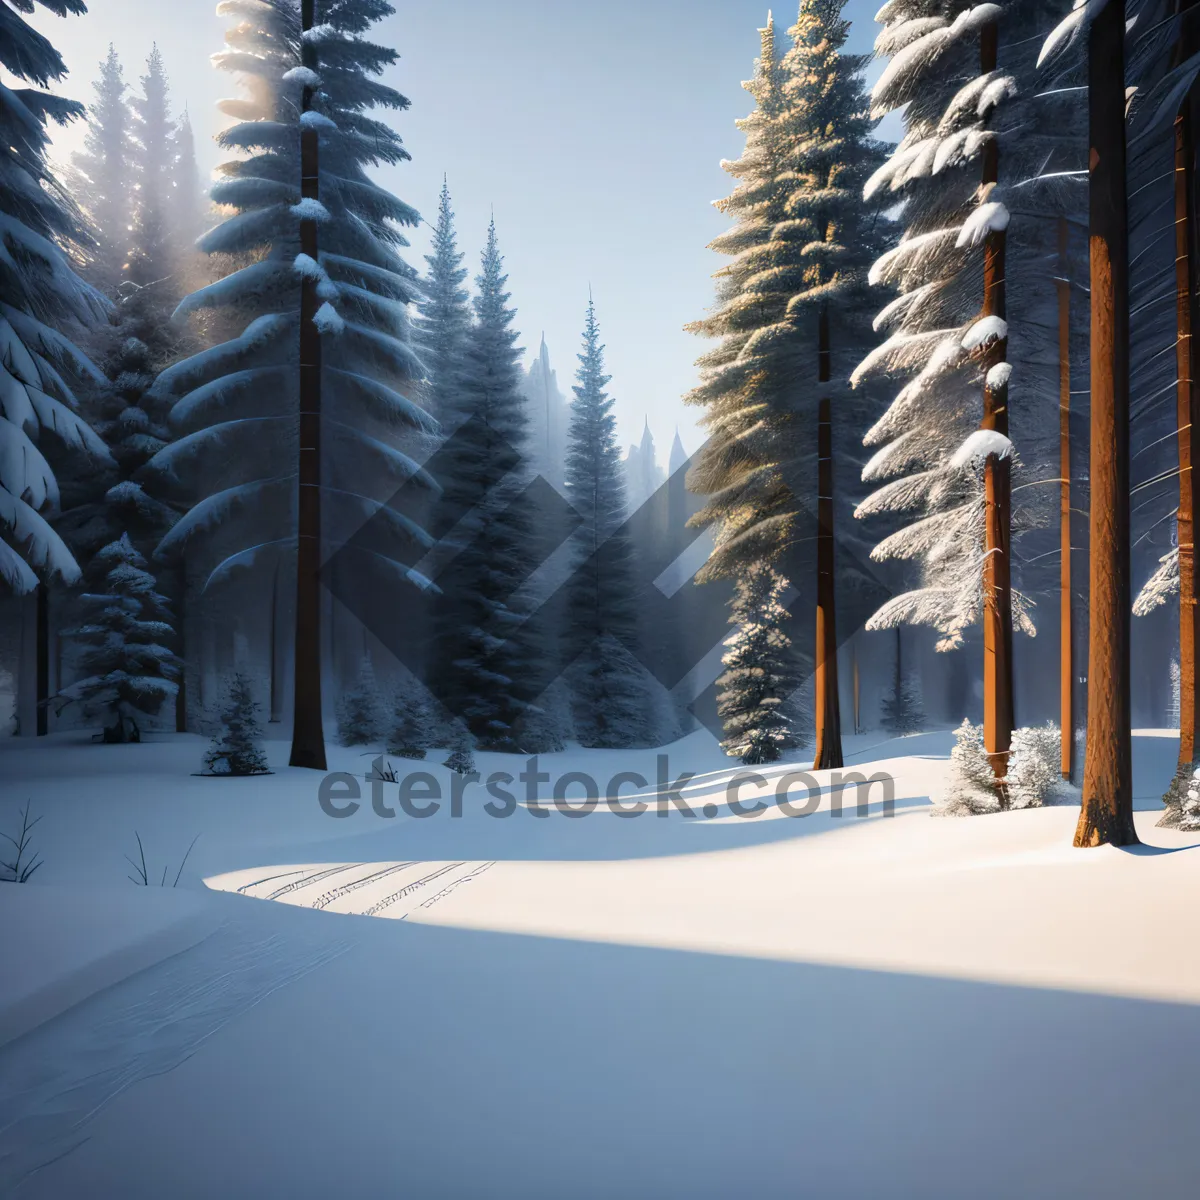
594	131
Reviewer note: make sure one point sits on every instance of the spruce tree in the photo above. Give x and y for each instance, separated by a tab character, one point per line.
138	342
609	693
360	715
39	294
412	726
992	157
793	317
127	662
444	317
187	203
102	175
759	681
237	749
483	668
461	759
236	406
152	257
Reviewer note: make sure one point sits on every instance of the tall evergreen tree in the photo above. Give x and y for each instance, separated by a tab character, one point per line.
985	169
609	693
39	295
187	205
830	154
1106	811
792	317
483	668
440	330
101	175
237	404
153	249
137	344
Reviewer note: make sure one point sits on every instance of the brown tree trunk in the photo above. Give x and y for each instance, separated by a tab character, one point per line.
42	633
308	736
997	485
857	691
1185	411
829	719
181	697
1066	668
275	704
1106	815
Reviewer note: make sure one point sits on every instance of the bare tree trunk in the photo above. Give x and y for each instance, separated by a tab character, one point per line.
181	696
828	711
857	690
997	485
275	704
308	735
1106	815
1066	668
43	659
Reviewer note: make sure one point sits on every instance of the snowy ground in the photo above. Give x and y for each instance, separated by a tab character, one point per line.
553	1007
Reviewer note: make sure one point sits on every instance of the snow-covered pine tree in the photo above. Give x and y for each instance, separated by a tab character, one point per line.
483	670
154	134
412	731
759	678
142	340
987	165
444	317
138	343
187	205
39	295
237	748
792	305
828	244
236	405
609	700
101	175
127	662
360	715
751	507
461	758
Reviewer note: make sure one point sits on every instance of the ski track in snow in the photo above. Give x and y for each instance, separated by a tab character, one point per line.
373	900
59	1076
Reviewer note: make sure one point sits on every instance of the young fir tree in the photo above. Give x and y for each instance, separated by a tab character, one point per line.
441	328
412	731
360	715
39	294
609	701
237	749
792	306
988	164
101	176
483	669
127	662
237	405
461	758
759	678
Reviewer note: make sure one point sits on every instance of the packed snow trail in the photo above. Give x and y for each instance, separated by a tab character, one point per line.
55	1079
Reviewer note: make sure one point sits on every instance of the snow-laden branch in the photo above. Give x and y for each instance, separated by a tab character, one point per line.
980	446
